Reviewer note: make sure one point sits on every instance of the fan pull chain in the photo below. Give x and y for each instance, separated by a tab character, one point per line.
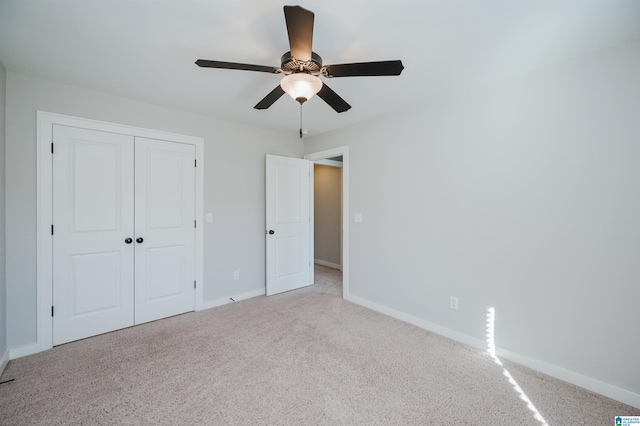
300	120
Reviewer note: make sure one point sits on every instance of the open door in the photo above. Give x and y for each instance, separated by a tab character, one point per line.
288	223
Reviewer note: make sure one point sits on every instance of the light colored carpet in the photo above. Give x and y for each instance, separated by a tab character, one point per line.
302	357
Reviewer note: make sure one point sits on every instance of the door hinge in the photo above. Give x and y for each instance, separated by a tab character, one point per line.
51	229
52	147
194	224
195	163
194	284
52	311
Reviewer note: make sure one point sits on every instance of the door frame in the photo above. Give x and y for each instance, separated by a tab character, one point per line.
323	155
44	200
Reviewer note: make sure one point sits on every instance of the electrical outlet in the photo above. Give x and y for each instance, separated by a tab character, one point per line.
236	275
453	302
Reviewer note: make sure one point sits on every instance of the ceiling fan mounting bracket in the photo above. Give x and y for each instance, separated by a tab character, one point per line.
291	65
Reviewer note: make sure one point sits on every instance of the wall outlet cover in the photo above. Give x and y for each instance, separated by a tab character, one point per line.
453	302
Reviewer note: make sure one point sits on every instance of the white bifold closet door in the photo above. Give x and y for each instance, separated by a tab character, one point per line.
123	231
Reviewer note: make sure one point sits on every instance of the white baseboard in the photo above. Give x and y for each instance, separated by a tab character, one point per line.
438	329
572	377
35	348
329	264
563	374
4	361
208	304
25	350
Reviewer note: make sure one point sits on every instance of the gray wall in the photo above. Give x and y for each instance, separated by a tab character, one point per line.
3	286
234	187
523	195
327	213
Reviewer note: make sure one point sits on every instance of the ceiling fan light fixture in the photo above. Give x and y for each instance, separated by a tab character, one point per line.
301	86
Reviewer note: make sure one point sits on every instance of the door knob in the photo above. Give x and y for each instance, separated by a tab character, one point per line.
128	240
271	232
139	240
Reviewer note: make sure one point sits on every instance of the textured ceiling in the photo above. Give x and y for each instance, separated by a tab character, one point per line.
145	50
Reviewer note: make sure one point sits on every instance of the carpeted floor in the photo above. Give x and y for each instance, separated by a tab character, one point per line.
302	357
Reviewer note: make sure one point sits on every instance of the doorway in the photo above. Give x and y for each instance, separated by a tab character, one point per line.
335	158
327	223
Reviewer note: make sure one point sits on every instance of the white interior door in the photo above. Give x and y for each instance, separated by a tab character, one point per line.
93	204
165	229
288	257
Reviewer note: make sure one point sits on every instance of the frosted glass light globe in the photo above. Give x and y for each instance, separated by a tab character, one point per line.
301	86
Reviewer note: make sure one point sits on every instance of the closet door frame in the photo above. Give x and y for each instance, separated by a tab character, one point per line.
45	123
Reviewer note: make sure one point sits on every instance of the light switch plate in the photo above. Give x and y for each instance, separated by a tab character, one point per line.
357	217
209	217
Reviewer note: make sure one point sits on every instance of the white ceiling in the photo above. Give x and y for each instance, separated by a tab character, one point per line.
145	49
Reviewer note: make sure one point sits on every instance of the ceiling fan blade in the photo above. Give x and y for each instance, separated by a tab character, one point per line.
332	98
270	98
205	63
300	29
365	69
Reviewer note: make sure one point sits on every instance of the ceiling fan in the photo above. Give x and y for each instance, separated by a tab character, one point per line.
302	67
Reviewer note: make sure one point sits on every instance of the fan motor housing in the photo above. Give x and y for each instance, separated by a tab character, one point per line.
291	65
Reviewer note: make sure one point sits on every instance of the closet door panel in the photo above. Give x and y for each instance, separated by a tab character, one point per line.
165	229
93	204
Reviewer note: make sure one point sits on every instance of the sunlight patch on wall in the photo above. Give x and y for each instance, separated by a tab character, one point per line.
491	349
